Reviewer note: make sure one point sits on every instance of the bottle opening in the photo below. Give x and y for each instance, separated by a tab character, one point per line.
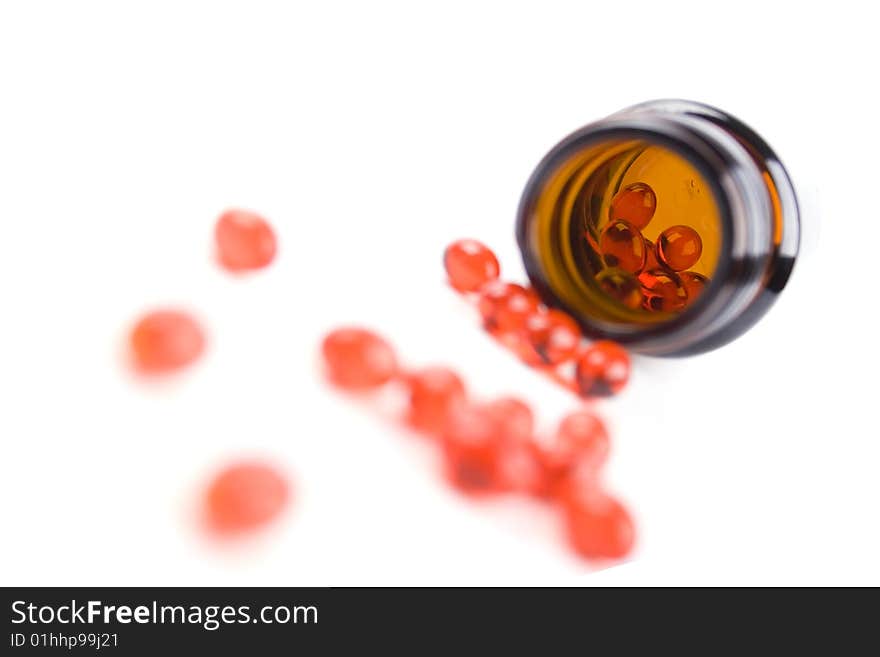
627	232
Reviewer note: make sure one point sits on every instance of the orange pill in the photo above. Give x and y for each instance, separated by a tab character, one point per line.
433	392
245	496
514	418
164	341
599	527
635	204
580	449
245	241
358	359
472	443
621	285
662	291
693	283
521	468
623	246
518	466
470	265
505	306
550	338
679	247
602	369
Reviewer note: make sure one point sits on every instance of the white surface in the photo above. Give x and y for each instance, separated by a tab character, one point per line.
372	134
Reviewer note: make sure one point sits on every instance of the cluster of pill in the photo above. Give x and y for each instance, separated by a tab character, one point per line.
545	338
245	494
638	272
490	447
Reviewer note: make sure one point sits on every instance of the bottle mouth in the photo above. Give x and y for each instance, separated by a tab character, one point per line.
626	229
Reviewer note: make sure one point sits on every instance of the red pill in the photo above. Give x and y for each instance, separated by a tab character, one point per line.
635	204
470	265
662	291
433	392
599	527
245	241
550	337
679	247
693	283
602	369
165	340
621	286
581	440
623	246
358	359
579	449
472	444
505	306
520	466
245	496
514	418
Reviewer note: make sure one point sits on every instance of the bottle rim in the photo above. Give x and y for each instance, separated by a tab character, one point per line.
732	159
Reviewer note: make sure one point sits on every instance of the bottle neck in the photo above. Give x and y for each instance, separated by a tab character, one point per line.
765	226
758	217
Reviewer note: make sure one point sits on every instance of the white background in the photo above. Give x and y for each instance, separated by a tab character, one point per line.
371	134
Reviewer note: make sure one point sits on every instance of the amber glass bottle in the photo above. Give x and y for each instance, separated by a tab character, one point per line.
669	227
